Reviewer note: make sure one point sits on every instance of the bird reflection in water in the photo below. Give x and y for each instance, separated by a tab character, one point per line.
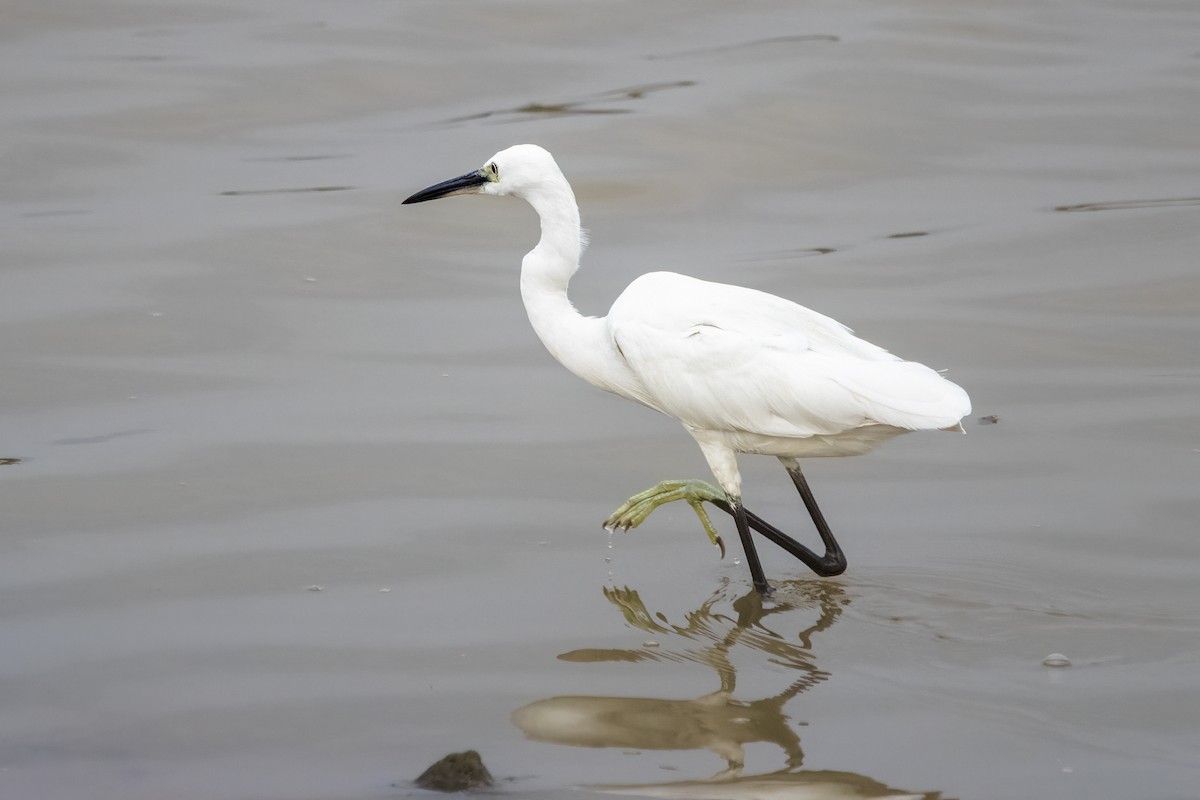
716	721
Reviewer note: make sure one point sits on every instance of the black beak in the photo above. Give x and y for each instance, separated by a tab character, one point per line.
460	185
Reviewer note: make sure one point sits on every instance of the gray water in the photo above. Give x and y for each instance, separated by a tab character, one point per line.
235	369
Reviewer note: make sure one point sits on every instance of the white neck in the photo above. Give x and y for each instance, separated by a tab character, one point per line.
581	344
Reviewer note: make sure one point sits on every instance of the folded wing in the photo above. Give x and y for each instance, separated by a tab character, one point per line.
722	357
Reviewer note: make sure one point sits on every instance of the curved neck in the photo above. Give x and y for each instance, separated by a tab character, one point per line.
562	237
579	343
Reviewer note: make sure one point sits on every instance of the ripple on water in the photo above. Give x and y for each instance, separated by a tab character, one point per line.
1124	205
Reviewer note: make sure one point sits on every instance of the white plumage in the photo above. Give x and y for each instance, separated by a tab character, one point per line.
726	358
742	370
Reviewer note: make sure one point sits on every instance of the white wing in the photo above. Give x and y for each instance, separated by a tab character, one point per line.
727	358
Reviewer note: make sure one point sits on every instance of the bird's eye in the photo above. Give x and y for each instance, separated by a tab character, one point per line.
494	169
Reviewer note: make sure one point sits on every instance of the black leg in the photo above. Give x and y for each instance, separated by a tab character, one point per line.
834	558
743	526
832	563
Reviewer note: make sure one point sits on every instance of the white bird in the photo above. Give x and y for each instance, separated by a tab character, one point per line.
744	371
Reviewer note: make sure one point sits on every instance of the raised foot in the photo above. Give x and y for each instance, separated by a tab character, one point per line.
635	510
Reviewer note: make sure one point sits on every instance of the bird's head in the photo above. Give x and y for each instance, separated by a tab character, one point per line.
512	171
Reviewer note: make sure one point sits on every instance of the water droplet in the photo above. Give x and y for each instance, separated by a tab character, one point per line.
737	562
608	559
1056	660
315	588
650	643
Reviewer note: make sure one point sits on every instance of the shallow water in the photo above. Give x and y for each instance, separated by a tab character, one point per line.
236	370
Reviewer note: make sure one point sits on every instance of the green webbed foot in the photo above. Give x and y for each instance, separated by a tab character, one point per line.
638	508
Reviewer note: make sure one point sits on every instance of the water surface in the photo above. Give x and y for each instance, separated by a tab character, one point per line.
237	371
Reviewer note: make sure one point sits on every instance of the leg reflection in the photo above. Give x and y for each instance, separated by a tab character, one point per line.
724	629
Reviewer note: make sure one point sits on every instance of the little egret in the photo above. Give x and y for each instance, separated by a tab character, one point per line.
744	371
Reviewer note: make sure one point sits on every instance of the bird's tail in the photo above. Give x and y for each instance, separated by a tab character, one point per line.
906	394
